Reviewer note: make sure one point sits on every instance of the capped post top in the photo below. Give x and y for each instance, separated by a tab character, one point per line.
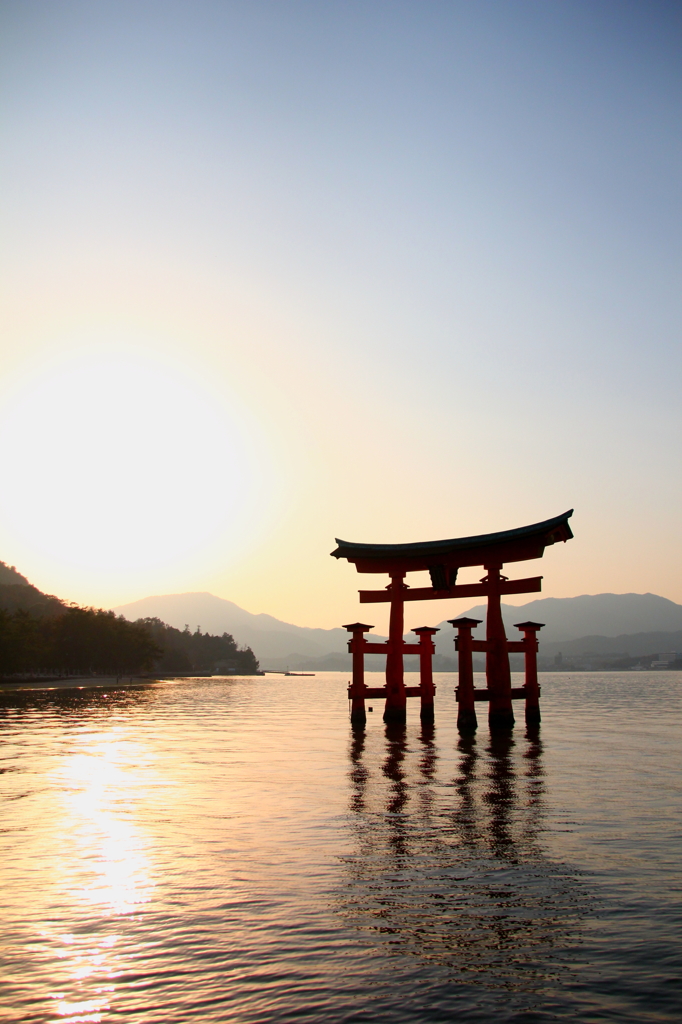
357	627
529	625
464	622
426	629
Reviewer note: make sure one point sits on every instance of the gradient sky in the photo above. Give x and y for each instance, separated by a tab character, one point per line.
276	272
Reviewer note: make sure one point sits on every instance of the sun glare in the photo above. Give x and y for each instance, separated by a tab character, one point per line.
116	464
108	871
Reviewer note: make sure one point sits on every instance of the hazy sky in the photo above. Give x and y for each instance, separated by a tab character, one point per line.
276	272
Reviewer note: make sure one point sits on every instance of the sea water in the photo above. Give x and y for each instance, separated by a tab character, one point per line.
231	850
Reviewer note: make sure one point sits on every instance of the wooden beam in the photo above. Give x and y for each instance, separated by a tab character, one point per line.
382	648
531	585
380	691
518	693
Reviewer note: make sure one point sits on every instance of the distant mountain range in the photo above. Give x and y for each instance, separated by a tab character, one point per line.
602	624
274	643
635	624
568	618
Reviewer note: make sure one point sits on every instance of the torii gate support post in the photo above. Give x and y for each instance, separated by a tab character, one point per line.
498	673
530	644
466	703
426	653
357	690
396	698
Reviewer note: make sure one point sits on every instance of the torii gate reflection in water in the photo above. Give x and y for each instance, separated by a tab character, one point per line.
442	559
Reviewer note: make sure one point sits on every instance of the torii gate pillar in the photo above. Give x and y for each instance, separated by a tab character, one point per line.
497	671
466	698
396	698
427	689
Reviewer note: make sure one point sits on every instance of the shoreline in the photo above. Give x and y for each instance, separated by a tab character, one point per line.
76	683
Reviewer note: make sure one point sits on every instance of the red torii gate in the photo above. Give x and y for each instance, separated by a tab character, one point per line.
442	559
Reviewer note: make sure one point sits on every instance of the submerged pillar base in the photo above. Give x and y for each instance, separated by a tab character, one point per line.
397	716
358	717
427	714
467	721
501	720
533	715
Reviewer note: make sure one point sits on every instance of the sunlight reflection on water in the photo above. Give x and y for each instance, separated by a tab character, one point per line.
103	867
231	849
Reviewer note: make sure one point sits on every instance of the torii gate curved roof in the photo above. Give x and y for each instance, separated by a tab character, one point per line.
485	549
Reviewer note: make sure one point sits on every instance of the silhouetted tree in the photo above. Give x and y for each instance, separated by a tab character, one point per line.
79	640
92	640
199	652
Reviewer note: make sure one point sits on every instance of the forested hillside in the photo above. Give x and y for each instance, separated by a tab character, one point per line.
42	635
17	594
198	652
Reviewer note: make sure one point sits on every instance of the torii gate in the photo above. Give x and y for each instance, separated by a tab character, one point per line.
442	559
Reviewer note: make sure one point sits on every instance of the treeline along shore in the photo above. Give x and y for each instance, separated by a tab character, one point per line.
41	635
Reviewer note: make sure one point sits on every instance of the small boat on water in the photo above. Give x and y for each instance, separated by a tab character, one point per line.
299	673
